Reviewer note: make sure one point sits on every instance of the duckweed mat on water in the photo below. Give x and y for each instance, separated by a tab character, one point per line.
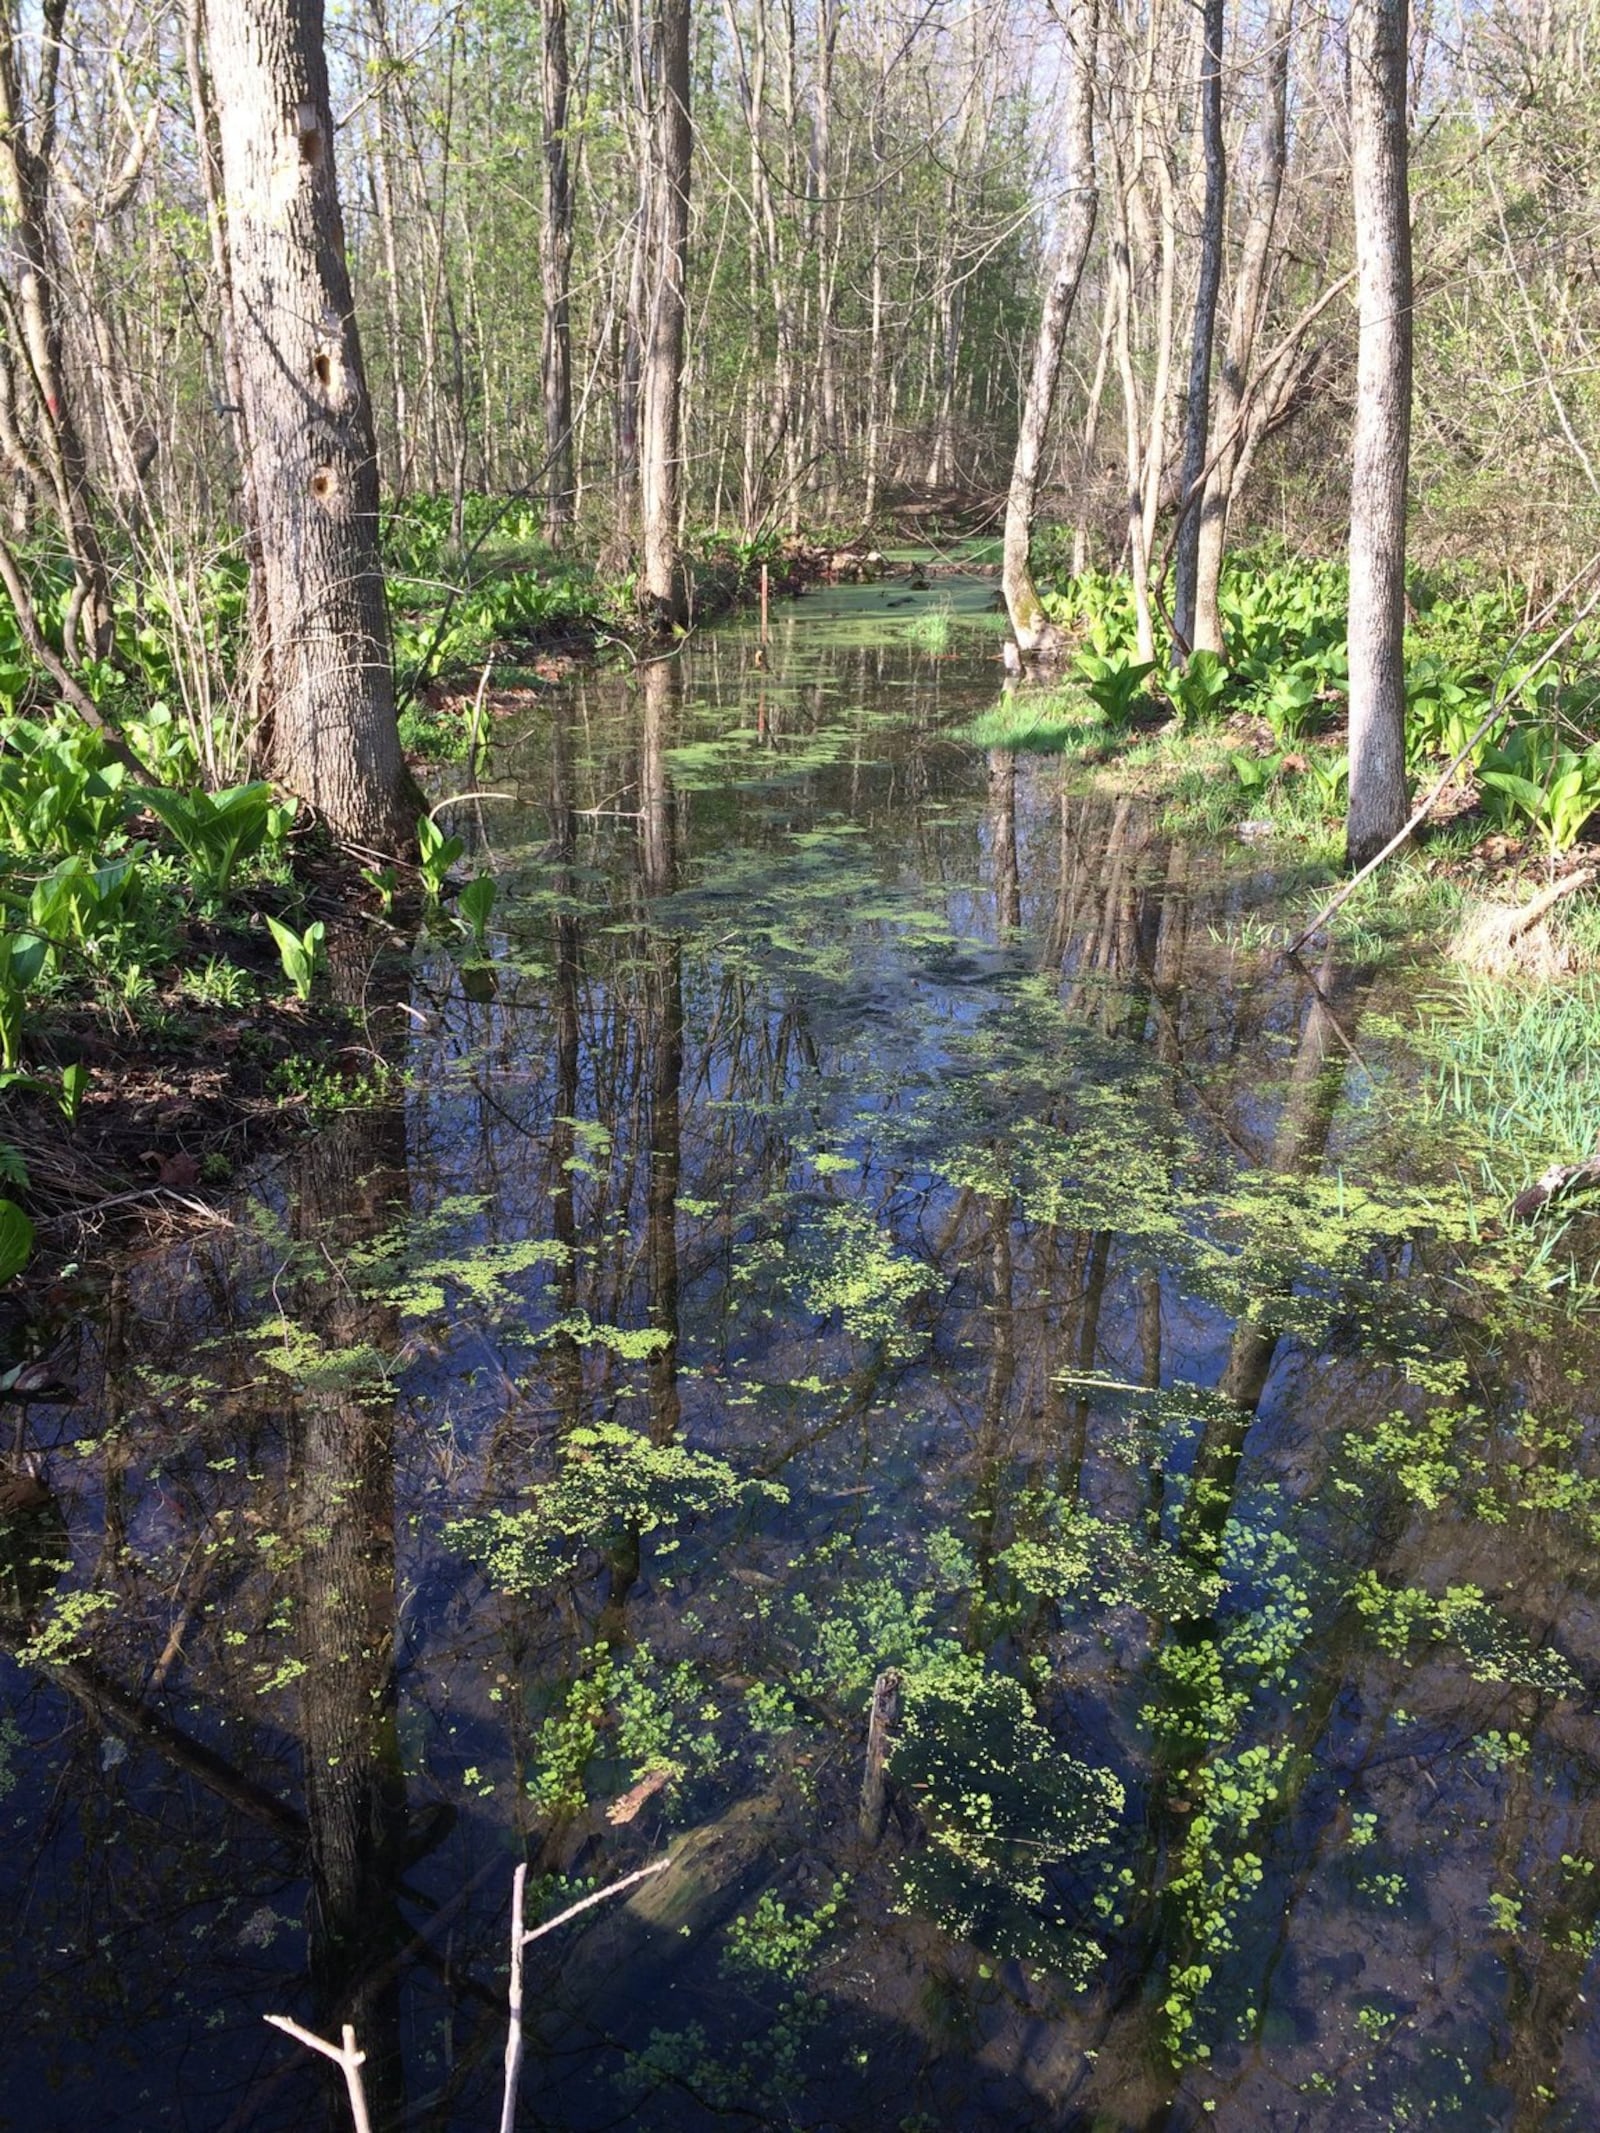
873	1224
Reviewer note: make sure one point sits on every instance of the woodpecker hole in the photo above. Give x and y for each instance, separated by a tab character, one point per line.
322	484
322	364
310	132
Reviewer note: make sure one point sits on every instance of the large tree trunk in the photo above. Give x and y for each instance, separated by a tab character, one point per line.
1197	419
1383	427
308	424
661	469
557	268
1244	326
1028	622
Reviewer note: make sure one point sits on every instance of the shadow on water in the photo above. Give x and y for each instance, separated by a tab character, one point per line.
877	1227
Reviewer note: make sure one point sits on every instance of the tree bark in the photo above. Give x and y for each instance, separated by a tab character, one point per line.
1028	623
26	166
661	469
1197	418
1379	452
313	464
556	263
1244	327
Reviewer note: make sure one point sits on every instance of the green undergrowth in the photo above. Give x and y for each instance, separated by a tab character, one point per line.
1516	1066
477	597
1259	735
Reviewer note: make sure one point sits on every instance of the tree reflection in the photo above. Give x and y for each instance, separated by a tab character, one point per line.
349	1190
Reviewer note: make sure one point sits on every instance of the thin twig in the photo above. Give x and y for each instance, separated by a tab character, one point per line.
519	1941
586	1903
454	799
346	2056
213	1216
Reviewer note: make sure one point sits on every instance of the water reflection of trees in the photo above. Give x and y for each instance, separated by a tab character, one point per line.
734	1076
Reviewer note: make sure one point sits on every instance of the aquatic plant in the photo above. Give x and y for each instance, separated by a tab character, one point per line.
1003	1803
610	1482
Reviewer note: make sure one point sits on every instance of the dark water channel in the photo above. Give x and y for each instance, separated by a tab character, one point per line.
877	1218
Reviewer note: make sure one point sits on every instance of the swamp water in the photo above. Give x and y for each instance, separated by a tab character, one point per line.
869	1227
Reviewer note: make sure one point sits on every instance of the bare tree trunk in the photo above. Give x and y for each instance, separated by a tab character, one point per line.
1155	452
1028	623
661	469
556	263
1138	553
1197	419
210	160
25	182
307	417
1081	543
1379	452
383	202
1244	327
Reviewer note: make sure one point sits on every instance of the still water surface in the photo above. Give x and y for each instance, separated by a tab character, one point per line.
866	1219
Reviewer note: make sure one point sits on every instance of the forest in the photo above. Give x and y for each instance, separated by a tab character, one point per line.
799	1044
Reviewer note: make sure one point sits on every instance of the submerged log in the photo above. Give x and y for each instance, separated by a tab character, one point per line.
1559	1178
880	1738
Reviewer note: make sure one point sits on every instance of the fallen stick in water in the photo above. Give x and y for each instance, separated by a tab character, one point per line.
346	2056
880	1734
520	1937
1560	1177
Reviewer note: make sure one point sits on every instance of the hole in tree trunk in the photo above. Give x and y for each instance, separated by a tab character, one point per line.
322	484
310	132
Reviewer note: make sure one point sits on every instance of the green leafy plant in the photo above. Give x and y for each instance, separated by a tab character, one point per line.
1114	682
217	983
216	831
477	901
384	881
74	1086
1255	772
1554	789
1329	778
16	1240
300	952
77	903
1196	690
58	793
1290	705
436	855
22	958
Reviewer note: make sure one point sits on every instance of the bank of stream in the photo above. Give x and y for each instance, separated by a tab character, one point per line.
868	1224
